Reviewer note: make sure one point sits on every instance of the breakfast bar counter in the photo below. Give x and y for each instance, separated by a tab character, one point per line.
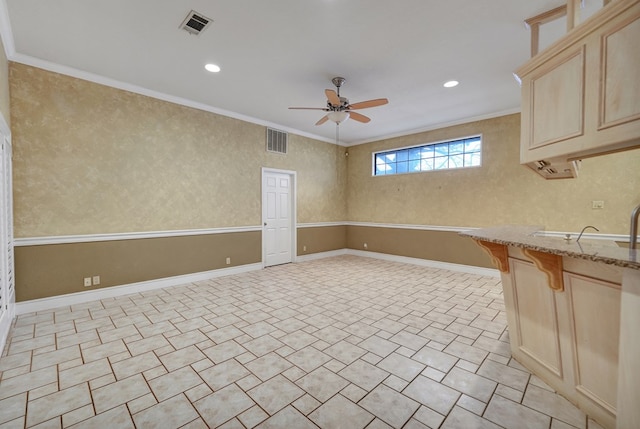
573	311
535	238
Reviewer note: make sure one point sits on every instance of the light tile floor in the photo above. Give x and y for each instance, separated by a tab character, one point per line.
343	342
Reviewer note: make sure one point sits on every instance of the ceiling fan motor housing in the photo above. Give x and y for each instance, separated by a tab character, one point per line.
344	103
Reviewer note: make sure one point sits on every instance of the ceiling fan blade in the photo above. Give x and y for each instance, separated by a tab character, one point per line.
322	120
333	98
368	103
359	117
309	108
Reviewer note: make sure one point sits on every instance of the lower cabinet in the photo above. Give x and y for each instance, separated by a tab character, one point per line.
568	338
594	311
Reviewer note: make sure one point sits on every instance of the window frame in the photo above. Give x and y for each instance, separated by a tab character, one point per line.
432	144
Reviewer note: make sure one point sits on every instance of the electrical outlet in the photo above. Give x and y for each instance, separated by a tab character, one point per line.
365	245
304	248
597	204
96	280
228	261
87	281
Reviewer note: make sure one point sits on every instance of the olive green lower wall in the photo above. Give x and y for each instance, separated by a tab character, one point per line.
44	271
443	246
321	239
57	269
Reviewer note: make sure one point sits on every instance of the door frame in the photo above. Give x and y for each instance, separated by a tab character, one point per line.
6	235
292	203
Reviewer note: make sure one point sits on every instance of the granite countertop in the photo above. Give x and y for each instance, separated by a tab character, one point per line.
532	237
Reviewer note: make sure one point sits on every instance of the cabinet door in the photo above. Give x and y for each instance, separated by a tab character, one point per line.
556	100
595	331
537	334
620	85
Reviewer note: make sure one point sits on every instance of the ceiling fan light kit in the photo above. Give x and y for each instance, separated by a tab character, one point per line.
338	116
339	109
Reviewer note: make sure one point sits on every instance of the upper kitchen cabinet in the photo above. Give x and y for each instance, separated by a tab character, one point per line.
581	95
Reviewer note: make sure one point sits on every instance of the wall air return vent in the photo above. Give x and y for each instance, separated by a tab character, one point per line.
276	141
195	23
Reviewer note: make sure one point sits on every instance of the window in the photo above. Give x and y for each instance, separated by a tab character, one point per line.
460	153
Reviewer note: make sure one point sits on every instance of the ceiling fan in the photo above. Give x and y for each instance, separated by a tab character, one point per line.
339	109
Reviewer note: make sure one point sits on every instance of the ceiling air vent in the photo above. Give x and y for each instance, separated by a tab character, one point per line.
195	23
276	141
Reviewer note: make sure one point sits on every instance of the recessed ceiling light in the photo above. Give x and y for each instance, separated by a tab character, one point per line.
451	84
212	68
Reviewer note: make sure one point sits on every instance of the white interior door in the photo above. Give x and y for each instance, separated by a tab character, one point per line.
278	217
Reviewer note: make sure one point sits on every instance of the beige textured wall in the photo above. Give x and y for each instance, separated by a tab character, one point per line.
499	192
92	159
4	86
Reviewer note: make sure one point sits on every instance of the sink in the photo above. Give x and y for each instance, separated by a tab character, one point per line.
549	234
560	237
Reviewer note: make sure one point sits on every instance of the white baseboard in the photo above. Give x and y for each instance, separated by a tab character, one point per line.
321	255
491	272
111	292
6	320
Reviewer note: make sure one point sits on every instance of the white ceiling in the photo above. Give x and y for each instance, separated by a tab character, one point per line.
280	53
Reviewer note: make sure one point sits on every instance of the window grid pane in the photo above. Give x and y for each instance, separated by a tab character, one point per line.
459	153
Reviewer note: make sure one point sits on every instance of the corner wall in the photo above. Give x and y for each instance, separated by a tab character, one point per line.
318	239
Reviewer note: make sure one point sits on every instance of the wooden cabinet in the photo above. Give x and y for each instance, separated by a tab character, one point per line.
569	338
581	96
628	369
594	307
537	316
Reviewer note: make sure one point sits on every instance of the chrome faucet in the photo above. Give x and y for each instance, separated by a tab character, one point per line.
633	231
588	226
